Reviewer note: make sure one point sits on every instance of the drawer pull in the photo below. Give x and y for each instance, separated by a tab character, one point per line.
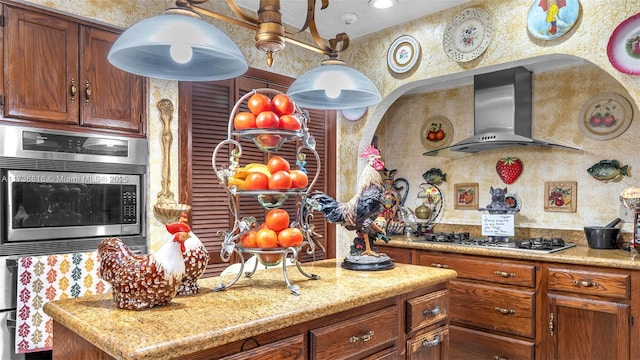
434	311
442	266
432	343
585	283
364	338
504	311
497	357
505	274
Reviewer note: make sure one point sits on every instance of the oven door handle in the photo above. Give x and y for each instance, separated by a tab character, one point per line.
11	320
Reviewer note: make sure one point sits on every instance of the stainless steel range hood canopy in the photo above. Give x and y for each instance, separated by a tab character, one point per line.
502	118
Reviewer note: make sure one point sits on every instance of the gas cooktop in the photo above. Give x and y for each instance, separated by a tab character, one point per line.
538	245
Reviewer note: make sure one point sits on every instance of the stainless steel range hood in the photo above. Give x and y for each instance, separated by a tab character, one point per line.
502	118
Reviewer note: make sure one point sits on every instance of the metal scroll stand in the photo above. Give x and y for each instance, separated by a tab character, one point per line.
167	210
267	198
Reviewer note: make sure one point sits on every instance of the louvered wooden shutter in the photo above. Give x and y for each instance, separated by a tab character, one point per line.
204	119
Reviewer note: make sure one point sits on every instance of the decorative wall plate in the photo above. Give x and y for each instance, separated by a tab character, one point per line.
624	46
605	116
548	21
403	54
512	201
436	132
354	114
468	34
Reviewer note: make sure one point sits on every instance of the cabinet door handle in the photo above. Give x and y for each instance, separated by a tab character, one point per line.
498	357
441	266
505	274
73	89
585	283
87	92
504	311
431	343
364	338
551	326
434	311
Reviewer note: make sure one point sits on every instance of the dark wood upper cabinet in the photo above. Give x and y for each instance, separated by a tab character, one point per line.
57	75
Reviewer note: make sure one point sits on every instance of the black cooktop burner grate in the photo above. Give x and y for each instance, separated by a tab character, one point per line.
539	244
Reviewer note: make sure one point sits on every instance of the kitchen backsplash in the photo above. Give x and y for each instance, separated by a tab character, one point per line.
558	97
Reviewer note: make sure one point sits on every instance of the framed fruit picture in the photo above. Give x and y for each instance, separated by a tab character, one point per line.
560	196
466	196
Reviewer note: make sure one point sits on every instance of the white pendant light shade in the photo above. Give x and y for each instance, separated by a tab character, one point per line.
177	47
333	85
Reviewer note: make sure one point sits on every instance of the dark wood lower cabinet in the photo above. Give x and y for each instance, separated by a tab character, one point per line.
472	344
520	309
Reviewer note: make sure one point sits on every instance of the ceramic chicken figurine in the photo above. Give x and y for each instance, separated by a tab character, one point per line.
142	281
362	212
196	257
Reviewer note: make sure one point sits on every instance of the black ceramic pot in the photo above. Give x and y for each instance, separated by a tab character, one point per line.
603	237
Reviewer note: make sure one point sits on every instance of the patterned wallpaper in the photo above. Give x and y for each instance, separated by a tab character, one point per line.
510	42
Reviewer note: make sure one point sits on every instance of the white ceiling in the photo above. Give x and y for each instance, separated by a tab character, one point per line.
331	21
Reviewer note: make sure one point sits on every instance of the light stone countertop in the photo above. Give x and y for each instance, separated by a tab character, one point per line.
579	255
250	307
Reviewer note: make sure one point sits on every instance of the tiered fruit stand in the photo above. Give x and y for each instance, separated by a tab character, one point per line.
269	141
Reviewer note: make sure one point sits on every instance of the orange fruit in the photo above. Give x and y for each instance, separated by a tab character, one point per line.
248	240
277	219
290	237
266	238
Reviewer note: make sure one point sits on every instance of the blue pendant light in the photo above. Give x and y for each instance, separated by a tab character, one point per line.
177	45
334	85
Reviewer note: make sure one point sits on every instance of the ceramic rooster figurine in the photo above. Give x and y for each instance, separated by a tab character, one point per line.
362	212
142	281
196	257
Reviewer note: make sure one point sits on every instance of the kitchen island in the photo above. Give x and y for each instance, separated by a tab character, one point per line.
259	313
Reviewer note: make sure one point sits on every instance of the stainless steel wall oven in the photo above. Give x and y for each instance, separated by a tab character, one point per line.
63	192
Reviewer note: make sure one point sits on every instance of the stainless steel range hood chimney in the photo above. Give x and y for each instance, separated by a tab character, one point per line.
502	118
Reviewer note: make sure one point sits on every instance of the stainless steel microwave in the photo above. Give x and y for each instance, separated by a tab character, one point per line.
69	189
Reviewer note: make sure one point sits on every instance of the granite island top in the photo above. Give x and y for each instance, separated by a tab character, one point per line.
252	306
579	255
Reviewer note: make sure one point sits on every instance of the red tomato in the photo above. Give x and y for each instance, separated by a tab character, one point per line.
256	181
299	179
277	219
290	237
266	238
277	163
267	120
280	181
244	120
258	103
248	240
289	122
282	105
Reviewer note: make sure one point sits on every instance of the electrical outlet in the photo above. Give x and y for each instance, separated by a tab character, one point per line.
626	215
